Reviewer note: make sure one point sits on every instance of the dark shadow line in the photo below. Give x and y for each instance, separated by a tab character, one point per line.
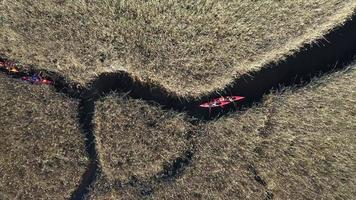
252	169
86	115
175	168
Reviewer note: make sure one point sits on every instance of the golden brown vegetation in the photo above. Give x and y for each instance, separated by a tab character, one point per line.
42	152
220	169
295	145
188	47
298	145
136	139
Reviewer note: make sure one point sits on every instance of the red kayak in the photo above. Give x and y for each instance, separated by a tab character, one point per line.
221	101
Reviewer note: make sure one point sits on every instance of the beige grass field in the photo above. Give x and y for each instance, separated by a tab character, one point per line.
298	144
136	139
42	152
188	47
301	144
